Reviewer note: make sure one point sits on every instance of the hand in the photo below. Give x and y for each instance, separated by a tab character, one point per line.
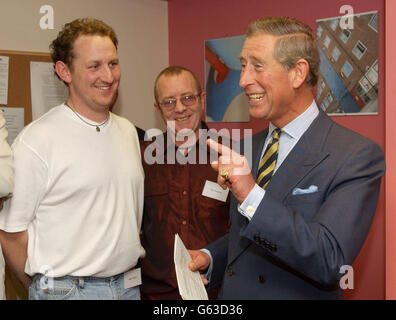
200	262
234	171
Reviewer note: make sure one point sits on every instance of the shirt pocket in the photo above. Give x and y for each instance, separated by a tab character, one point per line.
156	205
156	189
212	208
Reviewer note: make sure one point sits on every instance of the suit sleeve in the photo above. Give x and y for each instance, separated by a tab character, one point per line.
317	240
218	250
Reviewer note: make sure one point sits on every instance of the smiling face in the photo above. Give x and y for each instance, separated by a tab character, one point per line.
93	76
175	87
265	81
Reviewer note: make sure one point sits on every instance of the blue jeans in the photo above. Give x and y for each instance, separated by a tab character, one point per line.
81	288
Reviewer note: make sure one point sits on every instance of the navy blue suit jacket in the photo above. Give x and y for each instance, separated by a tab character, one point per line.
295	245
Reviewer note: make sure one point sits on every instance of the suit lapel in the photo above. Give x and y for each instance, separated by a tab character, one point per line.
305	156
295	167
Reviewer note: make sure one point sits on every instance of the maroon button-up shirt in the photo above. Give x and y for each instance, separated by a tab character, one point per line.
173	203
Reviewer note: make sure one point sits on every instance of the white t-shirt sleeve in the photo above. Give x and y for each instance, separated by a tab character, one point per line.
31	176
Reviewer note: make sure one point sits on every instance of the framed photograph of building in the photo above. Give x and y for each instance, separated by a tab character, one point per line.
348	79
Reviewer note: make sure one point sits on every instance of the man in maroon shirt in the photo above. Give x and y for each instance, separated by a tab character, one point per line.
175	182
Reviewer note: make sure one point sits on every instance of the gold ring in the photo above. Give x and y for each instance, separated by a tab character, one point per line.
225	174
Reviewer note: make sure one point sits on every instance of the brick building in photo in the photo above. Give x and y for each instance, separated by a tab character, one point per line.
348	81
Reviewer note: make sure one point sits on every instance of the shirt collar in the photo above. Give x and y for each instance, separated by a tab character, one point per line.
296	128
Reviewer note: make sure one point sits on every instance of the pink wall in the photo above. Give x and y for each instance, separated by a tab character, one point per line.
390	204
192	22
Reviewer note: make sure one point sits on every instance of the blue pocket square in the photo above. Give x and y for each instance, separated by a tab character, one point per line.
311	189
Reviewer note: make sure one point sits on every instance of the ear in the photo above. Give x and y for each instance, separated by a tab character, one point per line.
203	105
202	97
63	71
159	109
299	73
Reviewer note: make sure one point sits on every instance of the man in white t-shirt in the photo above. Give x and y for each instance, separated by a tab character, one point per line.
71	229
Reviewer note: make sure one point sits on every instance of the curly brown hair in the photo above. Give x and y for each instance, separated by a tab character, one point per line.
62	47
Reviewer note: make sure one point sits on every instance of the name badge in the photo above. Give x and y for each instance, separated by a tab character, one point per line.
132	278
214	191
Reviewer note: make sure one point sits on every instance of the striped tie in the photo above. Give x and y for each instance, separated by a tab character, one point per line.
268	161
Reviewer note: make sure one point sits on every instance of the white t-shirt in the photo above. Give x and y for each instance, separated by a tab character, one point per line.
79	193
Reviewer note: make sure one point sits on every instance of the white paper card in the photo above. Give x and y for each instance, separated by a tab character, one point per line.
214	191
15	121
132	278
4	67
47	90
190	283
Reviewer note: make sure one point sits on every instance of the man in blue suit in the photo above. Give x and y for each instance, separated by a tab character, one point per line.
305	208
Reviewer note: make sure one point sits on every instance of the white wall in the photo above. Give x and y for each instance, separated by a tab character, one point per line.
142	30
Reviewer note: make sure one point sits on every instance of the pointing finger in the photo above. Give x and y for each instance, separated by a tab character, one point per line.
219	148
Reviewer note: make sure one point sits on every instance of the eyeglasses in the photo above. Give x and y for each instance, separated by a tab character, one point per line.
187	101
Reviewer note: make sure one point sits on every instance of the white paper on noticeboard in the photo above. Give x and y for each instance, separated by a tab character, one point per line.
15	120
4	69
190	283
47	90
